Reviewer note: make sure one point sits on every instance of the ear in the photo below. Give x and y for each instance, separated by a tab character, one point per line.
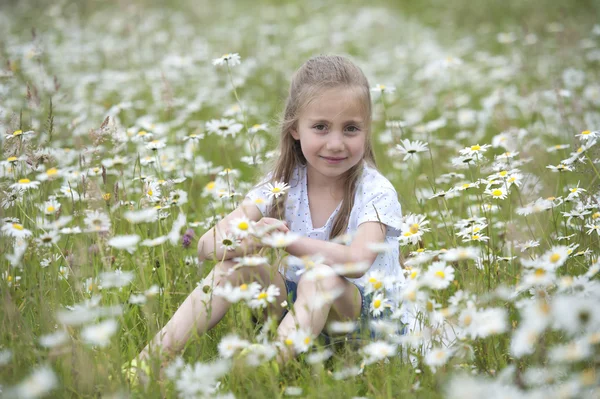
295	134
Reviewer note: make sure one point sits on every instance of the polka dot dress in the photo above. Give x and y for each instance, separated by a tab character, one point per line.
375	200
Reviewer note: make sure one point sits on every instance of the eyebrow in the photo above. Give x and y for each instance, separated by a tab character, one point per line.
351	121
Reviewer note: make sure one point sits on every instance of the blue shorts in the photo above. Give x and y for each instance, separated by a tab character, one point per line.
364	327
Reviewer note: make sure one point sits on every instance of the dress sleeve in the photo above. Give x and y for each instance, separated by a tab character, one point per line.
381	205
256	195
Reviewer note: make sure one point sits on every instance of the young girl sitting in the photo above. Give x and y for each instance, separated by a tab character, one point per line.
334	191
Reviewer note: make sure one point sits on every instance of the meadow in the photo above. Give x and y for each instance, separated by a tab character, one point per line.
130	127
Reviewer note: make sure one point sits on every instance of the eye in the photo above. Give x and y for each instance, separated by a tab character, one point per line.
320	126
352	129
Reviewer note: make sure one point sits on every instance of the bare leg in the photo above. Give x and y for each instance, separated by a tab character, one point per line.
202	311
313	318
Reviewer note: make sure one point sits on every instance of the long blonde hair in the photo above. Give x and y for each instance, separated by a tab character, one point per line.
318	73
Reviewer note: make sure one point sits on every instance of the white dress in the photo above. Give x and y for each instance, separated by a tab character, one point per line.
373	192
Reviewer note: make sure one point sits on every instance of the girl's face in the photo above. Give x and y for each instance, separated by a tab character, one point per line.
332	132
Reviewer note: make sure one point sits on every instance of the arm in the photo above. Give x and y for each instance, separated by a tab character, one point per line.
358	251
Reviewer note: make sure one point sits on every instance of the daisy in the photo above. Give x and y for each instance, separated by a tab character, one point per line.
18	134
379	88
37	384
264	297
25	185
474	150
276	189
229	59
99	334
229	242
413	228
69	193
224	127
587	134
378	350
528	245
233	294
378	304
560	168
374	282
145	215
442	194
438	357
152	191
574	192
48	239
466	186
592	228
97	221
300	340
280	240
155	145
230	344
154	242
258	128
178	197
460	253
556	256
15	230
496	193
438	275
49	174
241	227
193	137
409	149
117	278
50	207
253	260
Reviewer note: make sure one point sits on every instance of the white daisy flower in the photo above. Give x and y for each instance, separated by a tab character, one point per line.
230	344
279	239
438	275
241	227
125	242
264	297
411	148
300	340
378	350
379	88
25	185
230	59
378	304
276	189
54	339
99	334
15	230
497	193
233	294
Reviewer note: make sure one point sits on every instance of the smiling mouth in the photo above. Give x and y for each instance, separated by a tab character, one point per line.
333	159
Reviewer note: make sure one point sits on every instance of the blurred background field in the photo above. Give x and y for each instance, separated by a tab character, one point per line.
113	99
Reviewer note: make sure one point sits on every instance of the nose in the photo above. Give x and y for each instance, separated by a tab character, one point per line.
335	142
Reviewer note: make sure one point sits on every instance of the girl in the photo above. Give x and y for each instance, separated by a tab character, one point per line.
334	192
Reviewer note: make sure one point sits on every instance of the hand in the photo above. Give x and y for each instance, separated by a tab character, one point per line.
266	225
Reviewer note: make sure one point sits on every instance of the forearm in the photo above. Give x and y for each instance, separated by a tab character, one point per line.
334	254
210	247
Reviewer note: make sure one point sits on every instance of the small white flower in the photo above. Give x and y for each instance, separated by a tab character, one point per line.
99	334
265	297
276	189
231	59
125	242
279	239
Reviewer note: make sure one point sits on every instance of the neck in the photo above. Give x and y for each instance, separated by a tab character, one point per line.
318	182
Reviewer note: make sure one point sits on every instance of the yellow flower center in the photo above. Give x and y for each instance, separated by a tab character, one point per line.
412	296
407	234
262	295
52	171
440	274
244	287
24	181
307	340
540	272
288	341
50	208
276	190
210	185
17	132
17	226
503	173
377	303
11	159
142	133
243	226
9	279
475	147
414	274
476	229
466	185
414	228
150	192
497	193
421	250
596	215
573	190
476	237
585	132
468	319
554	258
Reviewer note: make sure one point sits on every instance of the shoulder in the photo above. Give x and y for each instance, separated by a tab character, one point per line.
373	182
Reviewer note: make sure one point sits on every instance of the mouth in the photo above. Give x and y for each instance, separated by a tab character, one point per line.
333	159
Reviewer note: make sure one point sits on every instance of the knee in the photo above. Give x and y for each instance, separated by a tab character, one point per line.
320	279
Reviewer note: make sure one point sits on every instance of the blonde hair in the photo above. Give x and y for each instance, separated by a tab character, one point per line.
316	74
